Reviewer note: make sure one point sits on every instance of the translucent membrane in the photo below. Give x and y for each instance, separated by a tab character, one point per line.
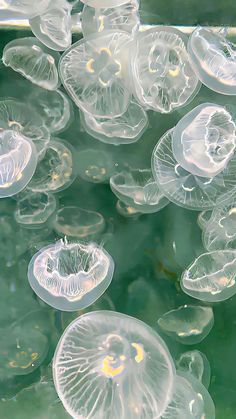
213	58
70	276
211	277
203	218
29	8
95	166
162	75
196	364
18	160
34	61
108	3
126	210
137	188
108	365
188	324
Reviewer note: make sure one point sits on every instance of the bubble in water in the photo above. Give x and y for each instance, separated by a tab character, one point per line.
105	353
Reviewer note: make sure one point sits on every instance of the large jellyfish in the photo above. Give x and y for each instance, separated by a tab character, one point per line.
94	72
163	79
70	276
34	61
18	161
213	58
109	365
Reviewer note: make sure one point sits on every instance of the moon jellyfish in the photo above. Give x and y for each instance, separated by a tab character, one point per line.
122	18
108	365
186	189
18	161
213	59
109	3
126	210
203	218
162	76
187	324
211	277
196	364
137	188
35	209
204	140
95	166
94	72
125	129
53	26
70	276
56	171
34	61
29	8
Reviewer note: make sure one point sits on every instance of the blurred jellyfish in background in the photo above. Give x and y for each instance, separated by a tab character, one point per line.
95	166
195	363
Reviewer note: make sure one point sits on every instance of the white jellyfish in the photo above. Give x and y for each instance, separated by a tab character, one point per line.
95	166
125	129
204	140
163	79
70	276
109	3
137	189
27	8
53	26
186	189
94	72
195	363
211	277
213	58
109	365
34	61
187	324
18	161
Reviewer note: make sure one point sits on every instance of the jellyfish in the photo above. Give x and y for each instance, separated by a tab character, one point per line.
34	61
126	210
137	189
121	18
18	161
195	363
211	277
186	189
95	74
163	79
71	221
125	129
203	218
28	8
187	324
53	26
70	276
110	365
109	3
95	166
57	170
33	210
213	59
204	140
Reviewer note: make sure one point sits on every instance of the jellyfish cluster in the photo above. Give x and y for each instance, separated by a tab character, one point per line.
117	214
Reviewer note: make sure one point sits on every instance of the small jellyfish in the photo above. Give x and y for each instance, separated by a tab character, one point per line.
213	59
188	190
125	129
33	210
137	189
126	210
53	26
18	161
187	324
77	222
70	276
122	18
211	277
196	364
57	170
109	365
34	61
95	166
94	72
109	3
204	140
163	79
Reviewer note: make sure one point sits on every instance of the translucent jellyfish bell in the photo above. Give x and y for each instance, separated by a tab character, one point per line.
105	353
18	161
203	218
137	188
34	61
125	129
162	75
70	276
187	324
211	277
29	8
213	58
94	72
204	140
95	166
109	3
196	364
